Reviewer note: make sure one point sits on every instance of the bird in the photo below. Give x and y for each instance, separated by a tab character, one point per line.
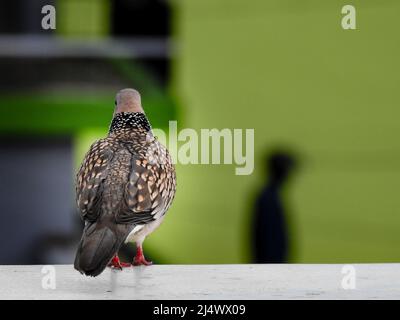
124	187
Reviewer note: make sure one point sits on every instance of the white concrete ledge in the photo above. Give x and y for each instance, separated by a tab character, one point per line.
289	281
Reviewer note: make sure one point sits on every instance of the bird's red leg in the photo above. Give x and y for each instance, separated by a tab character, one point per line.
115	263
140	259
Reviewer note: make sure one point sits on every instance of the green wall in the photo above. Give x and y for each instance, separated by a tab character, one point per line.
288	69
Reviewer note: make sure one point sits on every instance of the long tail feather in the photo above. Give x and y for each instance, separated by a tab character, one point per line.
97	247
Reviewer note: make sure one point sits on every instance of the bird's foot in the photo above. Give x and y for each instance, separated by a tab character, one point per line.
115	263
141	261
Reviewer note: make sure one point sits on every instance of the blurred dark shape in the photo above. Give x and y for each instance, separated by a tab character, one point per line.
54	246
270	231
141	19
36	193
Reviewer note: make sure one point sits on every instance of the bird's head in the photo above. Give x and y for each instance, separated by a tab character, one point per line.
128	100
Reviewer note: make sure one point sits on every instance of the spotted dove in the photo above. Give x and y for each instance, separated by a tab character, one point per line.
124	187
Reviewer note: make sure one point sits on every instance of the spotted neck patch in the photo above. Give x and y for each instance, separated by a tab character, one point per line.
130	120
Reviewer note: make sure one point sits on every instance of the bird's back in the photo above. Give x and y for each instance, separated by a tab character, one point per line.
119	170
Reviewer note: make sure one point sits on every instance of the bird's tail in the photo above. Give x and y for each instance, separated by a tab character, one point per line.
97	247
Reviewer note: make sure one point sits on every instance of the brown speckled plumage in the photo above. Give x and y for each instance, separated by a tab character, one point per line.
126	179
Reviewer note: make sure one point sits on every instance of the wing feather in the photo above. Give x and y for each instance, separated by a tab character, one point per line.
92	173
142	200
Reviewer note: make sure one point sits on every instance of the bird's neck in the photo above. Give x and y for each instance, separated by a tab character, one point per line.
129	121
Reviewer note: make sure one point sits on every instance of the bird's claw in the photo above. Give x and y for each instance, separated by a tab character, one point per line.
115	263
141	261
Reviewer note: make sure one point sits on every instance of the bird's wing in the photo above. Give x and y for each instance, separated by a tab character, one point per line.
93	171
143	193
